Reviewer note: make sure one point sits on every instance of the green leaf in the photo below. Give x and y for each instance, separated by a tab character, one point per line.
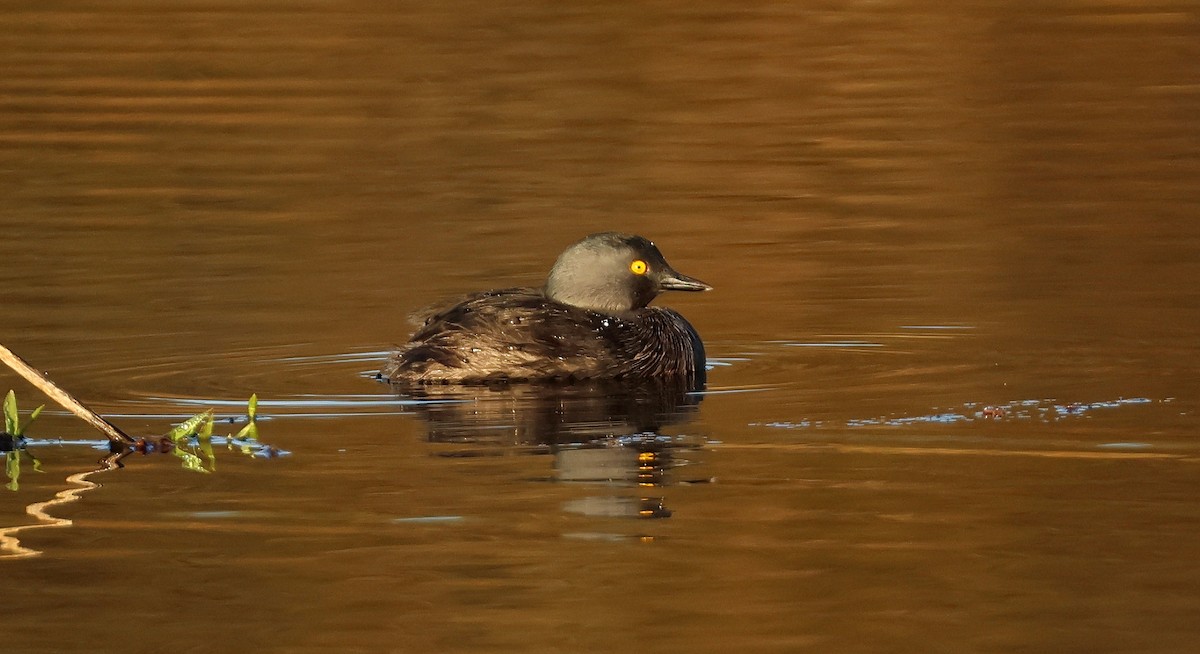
33	416
205	431
187	428
10	414
180	434
250	430
247	433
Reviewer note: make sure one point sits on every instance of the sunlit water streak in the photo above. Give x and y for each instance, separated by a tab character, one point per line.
10	544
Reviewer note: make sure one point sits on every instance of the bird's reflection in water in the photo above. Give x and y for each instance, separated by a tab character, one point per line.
610	433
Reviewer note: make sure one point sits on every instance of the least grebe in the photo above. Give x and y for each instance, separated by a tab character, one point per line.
590	321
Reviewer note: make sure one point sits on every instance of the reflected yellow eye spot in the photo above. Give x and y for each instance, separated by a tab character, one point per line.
638	267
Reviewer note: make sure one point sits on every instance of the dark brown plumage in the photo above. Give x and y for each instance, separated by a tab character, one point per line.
590	321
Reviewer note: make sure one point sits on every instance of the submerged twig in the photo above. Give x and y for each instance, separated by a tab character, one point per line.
68	401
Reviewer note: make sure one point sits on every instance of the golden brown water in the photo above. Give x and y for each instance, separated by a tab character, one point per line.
953	403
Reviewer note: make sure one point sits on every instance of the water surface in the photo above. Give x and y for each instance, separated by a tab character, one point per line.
953	388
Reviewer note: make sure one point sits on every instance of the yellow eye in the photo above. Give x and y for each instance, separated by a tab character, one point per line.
638	267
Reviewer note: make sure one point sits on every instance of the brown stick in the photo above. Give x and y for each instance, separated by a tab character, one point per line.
39	379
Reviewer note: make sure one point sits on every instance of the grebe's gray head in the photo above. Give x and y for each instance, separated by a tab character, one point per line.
614	273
